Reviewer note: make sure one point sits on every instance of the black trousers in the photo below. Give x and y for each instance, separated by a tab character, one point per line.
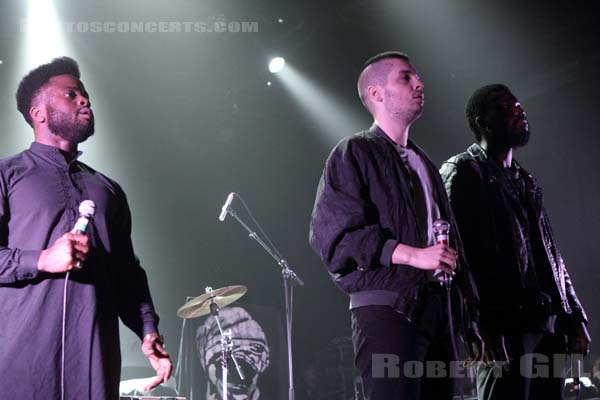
533	373
398	359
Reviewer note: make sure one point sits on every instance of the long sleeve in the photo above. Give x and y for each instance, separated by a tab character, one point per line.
40	192
135	307
468	227
579	314
578	311
15	264
463	185
344	229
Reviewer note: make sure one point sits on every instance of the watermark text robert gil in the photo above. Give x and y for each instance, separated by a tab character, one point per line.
530	366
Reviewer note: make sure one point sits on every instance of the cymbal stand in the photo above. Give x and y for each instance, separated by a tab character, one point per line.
226	344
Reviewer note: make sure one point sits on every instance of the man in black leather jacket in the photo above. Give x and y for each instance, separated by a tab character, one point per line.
371	226
528	303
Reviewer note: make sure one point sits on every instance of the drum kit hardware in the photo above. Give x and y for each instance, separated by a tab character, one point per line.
212	300
200	306
210	303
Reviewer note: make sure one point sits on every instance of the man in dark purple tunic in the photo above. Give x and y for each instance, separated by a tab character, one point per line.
53	282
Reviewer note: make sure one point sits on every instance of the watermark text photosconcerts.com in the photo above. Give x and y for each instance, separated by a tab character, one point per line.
531	365
211	25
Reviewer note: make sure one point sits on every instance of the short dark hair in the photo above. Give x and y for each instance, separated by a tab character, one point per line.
479	105
32	82
377	73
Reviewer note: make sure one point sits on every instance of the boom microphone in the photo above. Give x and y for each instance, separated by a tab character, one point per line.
225	207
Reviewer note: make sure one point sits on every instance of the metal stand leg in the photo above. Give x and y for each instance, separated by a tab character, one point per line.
226	345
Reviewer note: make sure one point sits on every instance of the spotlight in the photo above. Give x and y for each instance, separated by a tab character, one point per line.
276	65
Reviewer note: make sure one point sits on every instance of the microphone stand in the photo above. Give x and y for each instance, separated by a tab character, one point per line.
289	278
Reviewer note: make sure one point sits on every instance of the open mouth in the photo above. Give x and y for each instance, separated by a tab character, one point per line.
86	113
521	126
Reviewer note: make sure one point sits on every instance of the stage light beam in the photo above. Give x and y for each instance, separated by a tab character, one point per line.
40	39
333	116
43	33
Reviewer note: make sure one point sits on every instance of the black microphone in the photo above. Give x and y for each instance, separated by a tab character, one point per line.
87	209
441	231
225	207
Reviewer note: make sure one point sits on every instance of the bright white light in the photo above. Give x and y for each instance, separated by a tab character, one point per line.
40	40
276	64
43	33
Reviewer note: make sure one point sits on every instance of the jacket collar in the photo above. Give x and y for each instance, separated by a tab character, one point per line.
476	151
375	130
479	153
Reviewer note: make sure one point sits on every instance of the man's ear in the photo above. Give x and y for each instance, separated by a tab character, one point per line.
38	114
374	93
482	125
479	122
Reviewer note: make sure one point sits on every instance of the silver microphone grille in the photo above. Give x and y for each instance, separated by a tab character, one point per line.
87	208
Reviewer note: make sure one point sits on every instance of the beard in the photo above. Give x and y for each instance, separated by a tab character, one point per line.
69	128
400	110
502	138
508	140
519	137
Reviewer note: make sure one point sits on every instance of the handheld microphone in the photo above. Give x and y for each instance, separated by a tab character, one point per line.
87	209
577	378
441	231
225	207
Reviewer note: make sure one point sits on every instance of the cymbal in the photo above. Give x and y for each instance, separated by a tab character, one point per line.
199	306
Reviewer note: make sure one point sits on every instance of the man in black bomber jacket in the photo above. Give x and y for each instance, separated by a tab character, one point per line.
528	303
371	226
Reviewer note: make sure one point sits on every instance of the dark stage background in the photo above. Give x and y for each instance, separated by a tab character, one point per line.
184	118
